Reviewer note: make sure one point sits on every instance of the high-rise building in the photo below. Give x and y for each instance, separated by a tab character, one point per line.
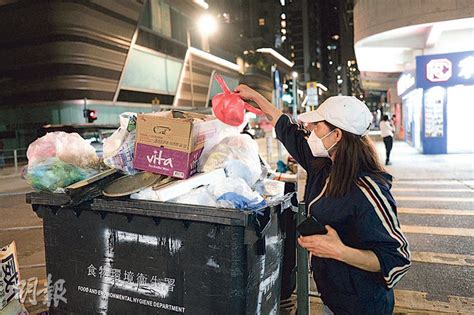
247	25
320	42
253	32
304	38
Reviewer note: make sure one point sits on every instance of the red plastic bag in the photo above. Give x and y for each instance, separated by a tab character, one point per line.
228	107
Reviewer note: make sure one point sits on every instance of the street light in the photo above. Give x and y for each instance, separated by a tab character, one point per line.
206	26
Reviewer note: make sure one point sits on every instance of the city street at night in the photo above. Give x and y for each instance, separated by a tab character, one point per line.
258	157
435	196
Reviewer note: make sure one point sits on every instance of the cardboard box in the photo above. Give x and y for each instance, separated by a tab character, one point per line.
172	146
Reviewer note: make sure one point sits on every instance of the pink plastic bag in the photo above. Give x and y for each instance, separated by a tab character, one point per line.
67	147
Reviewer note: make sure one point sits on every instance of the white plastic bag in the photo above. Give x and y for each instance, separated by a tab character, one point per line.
209	195
112	144
199	196
270	188
234	185
222	131
67	147
58	160
238	169
119	148
180	187
237	147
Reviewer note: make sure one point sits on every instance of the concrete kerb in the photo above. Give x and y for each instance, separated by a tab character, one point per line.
10	176
11	172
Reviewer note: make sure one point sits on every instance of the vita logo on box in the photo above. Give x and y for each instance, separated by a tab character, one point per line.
158	159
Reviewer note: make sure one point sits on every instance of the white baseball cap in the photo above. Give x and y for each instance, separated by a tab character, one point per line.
344	112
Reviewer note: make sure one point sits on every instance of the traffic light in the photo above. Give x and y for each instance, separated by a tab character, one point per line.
288	91
289	84
90	114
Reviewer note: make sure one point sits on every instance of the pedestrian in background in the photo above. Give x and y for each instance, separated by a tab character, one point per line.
364	254
395	126
378	117
386	131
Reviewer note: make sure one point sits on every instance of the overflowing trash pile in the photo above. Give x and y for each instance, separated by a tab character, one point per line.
190	158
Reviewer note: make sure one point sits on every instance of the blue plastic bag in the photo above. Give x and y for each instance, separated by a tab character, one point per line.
242	203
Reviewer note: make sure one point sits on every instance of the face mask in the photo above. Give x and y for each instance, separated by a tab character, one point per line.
316	145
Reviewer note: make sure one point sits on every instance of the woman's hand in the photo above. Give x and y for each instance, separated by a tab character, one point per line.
247	93
331	246
250	94
325	246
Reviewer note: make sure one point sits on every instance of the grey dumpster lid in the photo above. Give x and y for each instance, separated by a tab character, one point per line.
47	198
178	211
157	209
75	194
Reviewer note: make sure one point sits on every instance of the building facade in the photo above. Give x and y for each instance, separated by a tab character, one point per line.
59	58
421	52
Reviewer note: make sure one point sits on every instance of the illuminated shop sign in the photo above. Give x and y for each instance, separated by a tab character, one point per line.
445	70
439	70
467	68
405	83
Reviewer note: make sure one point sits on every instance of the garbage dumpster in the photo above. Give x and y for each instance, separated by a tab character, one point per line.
139	257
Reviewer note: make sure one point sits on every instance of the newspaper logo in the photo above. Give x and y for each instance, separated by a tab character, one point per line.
51	293
9	280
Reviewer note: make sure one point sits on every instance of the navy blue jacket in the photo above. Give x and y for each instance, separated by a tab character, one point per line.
365	218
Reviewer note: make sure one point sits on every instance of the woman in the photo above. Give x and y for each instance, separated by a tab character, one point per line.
364	254
386	131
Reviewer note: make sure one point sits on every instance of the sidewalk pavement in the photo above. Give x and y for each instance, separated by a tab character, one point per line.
11	181
408	163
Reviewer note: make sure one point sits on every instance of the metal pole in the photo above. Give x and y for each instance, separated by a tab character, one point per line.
205	43
188	35
269	143
15	159
302	281
84	110
295	98
127	60
279	144
276	102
